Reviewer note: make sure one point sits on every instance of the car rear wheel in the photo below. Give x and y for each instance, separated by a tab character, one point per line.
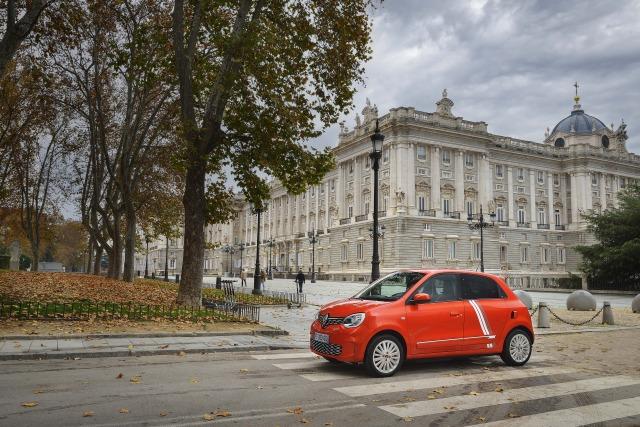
517	348
384	356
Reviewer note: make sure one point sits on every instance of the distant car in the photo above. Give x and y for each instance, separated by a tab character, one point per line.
424	314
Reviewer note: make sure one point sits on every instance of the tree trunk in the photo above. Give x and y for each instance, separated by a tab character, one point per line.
35	255
116	249
130	246
97	260
190	291
87	267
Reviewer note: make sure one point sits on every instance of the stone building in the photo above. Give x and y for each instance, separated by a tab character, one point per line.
436	169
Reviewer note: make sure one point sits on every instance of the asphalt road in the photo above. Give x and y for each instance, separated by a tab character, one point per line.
290	388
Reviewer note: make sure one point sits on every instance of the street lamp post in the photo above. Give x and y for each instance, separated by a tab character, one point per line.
241	248
313	239
257	289
146	262
481	224
229	250
166	262
271	243
376	140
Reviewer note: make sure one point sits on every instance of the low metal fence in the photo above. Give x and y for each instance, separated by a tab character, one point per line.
133	311
282	297
614	285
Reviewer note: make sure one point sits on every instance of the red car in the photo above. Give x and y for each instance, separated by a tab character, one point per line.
424	314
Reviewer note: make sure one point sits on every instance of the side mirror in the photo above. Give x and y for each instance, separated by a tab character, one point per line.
421	298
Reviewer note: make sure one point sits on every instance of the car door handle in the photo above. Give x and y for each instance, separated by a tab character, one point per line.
455	314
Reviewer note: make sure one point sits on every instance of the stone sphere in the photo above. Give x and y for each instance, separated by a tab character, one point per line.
635	304
524	297
581	300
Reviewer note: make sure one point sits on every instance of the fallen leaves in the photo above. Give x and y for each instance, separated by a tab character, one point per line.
194	381
210	416
119	376
123	411
88	414
244	371
164	413
473	393
136	379
499	389
182	353
407	419
297	411
29	404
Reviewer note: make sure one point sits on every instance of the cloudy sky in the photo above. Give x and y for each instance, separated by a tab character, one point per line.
511	64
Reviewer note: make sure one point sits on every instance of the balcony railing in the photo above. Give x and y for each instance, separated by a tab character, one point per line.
543	226
382	214
362	217
524	225
300	235
560	227
427	212
319	232
344	221
503	223
453	215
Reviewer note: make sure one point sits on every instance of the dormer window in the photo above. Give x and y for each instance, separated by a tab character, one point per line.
605	141
559	143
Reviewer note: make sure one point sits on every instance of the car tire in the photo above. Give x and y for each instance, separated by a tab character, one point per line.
517	348
384	356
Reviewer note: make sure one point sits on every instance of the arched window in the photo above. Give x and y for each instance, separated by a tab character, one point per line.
559	143
605	141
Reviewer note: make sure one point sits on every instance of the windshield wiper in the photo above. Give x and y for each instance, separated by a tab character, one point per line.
378	298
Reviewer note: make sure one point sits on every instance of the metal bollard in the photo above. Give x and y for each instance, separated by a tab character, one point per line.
607	314
543	316
177	278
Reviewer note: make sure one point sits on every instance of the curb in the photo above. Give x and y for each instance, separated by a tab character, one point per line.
568	291
263	332
580	331
138	353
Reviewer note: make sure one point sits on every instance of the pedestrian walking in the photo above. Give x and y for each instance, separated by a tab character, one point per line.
300	280
243	277
263	279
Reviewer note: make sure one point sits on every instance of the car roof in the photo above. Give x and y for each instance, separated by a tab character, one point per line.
448	270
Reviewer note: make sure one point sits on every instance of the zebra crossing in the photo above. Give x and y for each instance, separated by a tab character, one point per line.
542	393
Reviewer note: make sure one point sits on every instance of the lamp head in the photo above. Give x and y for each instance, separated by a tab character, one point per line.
377	139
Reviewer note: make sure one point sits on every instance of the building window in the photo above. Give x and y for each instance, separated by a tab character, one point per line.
499	171
360	251
468	159
469	178
560	255
367	162
521	215
446	206
476	250
540	177
503	254
333	185
366	204
469	206
427	227
500	212
422	152
446	174
520	174
428	248
172	264
350	211
452	249
422	172
446	157
385	202
520	190
558	218
422	202
351	166
385	155
542	217
556	179
344	253
544	255
499	187
313	191
594	179
524	254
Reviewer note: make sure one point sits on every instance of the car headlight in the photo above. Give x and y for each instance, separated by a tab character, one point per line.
353	321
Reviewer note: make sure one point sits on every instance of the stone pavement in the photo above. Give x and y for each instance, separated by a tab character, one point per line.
114	346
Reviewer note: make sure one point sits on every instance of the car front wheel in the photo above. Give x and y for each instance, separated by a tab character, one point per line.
384	356
517	348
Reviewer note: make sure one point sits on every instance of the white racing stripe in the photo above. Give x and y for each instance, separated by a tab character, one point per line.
574	417
278	356
448	381
481	319
464	402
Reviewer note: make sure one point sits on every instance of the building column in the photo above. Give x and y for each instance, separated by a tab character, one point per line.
532	199
603	191
435	181
316	222
574	198
307	203
550	208
326	206
511	209
357	187
340	192
588	188
615	187
486	181
459	182
411	179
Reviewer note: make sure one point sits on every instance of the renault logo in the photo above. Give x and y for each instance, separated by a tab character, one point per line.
324	320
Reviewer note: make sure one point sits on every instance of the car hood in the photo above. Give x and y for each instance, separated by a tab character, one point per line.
347	307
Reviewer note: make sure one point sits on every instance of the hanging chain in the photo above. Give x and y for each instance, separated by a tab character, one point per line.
532	312
575	323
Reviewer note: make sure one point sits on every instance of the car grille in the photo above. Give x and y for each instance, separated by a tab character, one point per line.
334	321
324	348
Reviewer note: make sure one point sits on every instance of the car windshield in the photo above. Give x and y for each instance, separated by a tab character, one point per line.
391	287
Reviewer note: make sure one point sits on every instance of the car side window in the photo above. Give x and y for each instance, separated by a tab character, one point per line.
478	287
443	287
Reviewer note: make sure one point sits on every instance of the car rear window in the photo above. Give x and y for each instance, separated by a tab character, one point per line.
479	287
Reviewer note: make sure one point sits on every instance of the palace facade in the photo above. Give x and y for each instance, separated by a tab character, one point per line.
435	170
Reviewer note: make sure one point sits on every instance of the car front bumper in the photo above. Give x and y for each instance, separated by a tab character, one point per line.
344	343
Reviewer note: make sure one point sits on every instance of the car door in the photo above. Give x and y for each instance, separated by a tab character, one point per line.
436	326
485	312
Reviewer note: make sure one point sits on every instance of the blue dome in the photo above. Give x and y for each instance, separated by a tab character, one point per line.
579	122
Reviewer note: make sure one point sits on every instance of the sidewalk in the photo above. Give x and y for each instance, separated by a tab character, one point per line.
22	348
